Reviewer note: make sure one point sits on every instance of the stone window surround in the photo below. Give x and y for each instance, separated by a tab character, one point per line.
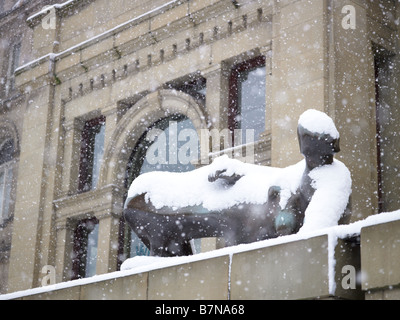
9	131
81	246
6	170
86	161
237	69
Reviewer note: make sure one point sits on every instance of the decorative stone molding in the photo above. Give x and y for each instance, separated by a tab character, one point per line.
103	201
145	49
135	122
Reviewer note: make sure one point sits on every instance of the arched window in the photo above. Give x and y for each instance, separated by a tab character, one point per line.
170	144
6	177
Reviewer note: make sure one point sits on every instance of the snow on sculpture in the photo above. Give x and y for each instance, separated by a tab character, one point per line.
241	202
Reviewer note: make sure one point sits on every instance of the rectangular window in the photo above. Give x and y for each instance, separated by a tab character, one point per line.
16	52
247	96
15	57
385	123
6	178
85	248
5	192
2	195
92	150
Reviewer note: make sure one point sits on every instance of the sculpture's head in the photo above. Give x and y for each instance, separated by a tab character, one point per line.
318	138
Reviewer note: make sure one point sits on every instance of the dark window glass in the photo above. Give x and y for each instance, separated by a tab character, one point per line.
6	178
92	150
247	97
6	151
385	118
85	248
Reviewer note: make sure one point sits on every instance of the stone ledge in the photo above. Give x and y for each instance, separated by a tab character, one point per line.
323	265
283	268
380	257
206	279
304	269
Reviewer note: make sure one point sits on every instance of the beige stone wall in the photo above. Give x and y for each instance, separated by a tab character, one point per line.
13	103
116	59
354	98
299	66
355	109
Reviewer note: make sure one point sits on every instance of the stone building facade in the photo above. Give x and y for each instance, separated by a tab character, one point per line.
15	50
83	82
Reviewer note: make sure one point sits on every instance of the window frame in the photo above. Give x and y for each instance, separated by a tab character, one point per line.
383	59
237	69
87	146
6	192
6	170
14	63
81	246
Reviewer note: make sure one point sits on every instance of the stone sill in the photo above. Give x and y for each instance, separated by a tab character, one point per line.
314	266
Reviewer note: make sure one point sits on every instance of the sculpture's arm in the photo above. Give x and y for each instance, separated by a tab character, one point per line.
221	174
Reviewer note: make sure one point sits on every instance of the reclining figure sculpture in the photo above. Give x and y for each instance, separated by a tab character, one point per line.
167	230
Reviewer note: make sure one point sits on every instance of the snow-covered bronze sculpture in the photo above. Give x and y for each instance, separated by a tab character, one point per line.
243	203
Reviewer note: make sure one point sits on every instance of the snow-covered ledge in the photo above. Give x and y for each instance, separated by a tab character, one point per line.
37	17
322	264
